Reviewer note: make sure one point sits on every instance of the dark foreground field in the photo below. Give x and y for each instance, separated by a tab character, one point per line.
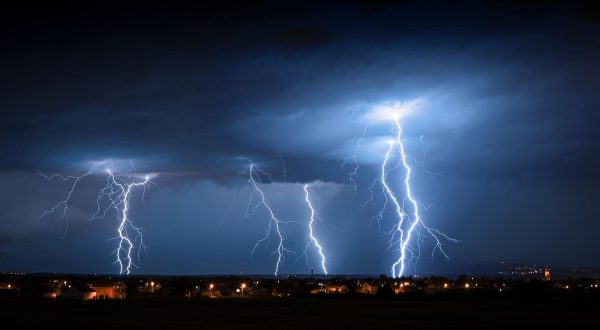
293	313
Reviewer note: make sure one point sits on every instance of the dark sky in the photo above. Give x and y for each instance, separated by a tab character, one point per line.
509	108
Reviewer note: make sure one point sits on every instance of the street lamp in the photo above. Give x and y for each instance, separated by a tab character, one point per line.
243	287
210	287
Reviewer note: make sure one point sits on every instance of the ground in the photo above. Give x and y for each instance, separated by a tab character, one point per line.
294	313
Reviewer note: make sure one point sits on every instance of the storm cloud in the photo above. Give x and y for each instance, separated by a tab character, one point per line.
509	112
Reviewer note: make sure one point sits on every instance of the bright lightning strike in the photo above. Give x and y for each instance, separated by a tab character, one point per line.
313	239
407	225
129	236
115	195
274	223
406	234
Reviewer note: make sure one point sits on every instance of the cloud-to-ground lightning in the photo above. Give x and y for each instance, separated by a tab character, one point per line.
404	241
254	178
313	240
118	192
407	225
115	195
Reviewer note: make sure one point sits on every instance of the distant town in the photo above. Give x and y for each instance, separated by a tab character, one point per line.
522	280
298	301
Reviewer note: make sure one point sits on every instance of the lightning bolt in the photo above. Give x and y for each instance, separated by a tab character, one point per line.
115	195
313	239
390	193
407	225
118	193
398	268
274	223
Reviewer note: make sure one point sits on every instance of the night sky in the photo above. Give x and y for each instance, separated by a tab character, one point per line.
508	97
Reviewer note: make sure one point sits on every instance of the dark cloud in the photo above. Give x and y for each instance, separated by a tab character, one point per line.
305	37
